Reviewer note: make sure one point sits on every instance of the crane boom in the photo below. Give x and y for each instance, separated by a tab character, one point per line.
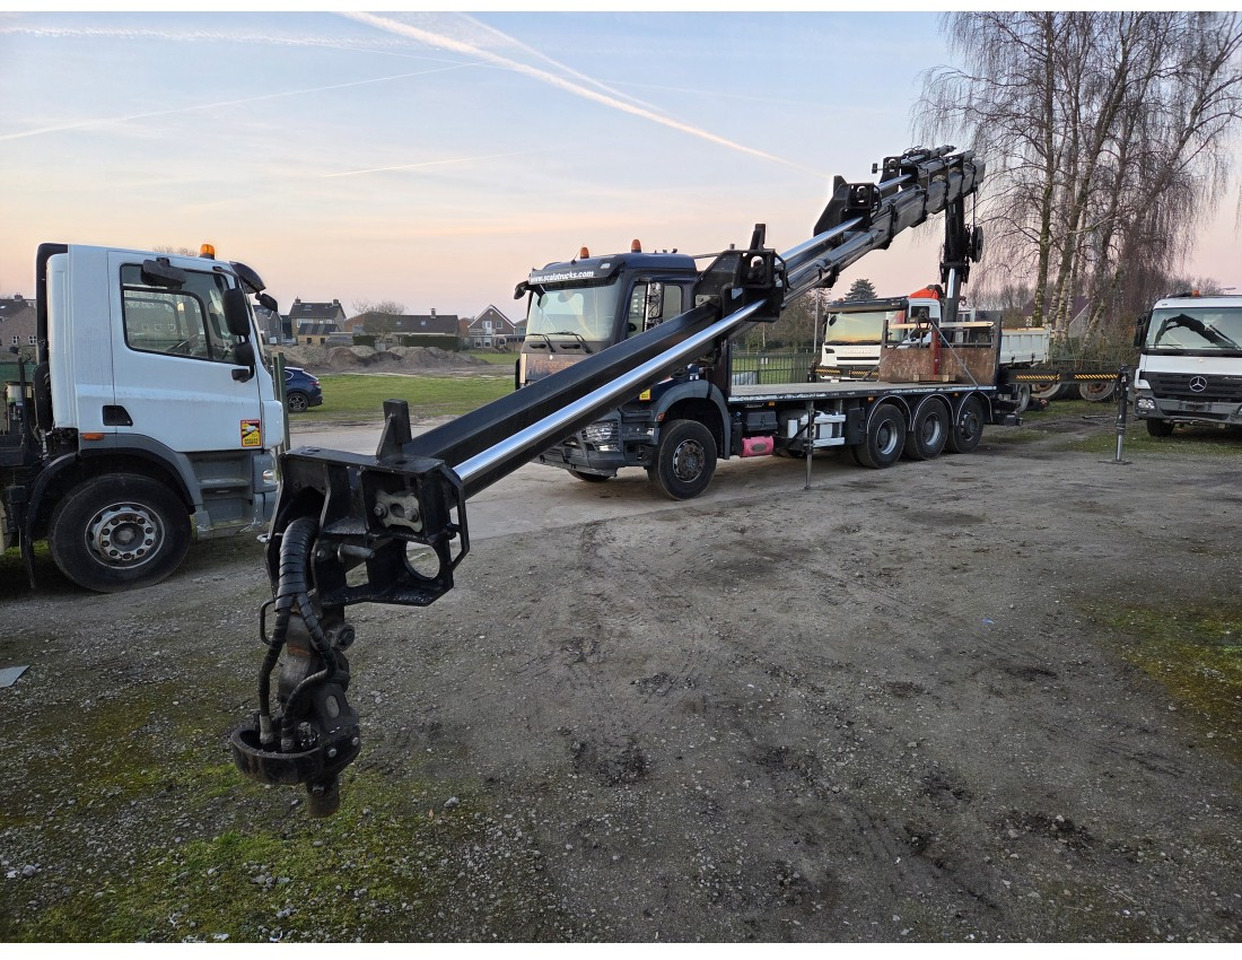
344	522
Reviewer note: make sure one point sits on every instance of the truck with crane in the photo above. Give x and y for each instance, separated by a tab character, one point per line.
919	404
147	417
392	527
1190	363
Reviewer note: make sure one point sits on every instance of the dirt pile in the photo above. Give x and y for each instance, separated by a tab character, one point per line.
361	359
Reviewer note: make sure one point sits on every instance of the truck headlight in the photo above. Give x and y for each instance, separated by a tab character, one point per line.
601	432
1145	404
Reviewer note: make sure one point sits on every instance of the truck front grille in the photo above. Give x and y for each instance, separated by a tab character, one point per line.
1178	386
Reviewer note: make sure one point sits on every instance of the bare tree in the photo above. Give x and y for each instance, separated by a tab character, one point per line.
379	316
1107	137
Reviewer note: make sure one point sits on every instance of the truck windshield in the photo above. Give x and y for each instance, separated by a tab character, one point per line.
1205	329
586	312
856	328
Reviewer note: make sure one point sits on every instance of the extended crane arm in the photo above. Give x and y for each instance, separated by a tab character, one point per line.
344	524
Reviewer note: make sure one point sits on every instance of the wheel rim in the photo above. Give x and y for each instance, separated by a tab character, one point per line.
124	534
1096	391
970	424
932	432
688	460
297	403
886	438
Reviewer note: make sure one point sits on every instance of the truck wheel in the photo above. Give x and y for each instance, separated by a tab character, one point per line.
1097	391
591	477
1160	428
886	438
1021	397
685	460
297	402
1046	389
968	428
117	532
929	430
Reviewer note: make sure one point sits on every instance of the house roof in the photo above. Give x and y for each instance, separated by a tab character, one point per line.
426	323
15	308
304	310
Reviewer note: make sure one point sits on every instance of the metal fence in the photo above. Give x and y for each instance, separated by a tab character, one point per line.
764	366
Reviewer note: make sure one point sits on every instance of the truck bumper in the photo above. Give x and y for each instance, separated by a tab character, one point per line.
603	448
1147	406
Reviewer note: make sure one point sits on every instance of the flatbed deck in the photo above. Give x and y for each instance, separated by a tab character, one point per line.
777	392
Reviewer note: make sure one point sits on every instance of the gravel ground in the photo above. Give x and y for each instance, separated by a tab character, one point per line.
972	699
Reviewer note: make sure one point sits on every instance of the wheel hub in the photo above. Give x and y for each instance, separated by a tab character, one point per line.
688	460
124	533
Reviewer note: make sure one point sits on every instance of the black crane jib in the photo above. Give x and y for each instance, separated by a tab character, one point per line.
345	523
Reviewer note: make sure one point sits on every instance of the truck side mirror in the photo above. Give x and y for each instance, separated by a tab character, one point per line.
268	302
243	355
236	313
1140	329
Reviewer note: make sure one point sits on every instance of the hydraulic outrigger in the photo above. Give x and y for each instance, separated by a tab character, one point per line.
345	524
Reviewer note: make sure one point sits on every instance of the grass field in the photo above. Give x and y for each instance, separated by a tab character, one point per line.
359	397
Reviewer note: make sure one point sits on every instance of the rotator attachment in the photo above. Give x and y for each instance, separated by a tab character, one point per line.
345	531
312	734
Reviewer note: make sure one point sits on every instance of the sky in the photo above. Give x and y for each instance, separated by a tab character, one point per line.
433	158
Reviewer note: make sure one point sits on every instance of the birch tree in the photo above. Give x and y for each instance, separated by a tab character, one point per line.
1107	136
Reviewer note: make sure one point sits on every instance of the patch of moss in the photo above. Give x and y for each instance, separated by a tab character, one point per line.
1185	442
1195	651
385	867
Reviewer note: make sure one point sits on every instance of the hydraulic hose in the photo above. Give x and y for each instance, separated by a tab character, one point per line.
293	587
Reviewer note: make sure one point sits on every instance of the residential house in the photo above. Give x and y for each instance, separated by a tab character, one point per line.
272	326
17	325
436	329
491	328
315	322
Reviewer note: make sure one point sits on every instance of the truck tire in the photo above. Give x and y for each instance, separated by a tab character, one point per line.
886	438
929	430
1160	428
297	402
967	427
685	460
1021	397
1046	390
117	532
1097	391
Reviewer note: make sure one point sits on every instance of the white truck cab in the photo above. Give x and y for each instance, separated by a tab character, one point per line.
1190	363
147	417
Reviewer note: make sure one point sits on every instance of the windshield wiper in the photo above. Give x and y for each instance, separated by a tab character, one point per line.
551	349
569	333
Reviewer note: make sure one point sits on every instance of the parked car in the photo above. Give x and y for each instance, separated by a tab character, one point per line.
302	391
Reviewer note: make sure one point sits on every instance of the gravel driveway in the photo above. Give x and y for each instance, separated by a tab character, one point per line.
984	698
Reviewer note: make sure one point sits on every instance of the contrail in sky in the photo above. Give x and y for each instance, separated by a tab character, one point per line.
423	163
221	103
608	100
531	51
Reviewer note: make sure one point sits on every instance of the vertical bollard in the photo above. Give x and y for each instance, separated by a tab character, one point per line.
810	441
1123	406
